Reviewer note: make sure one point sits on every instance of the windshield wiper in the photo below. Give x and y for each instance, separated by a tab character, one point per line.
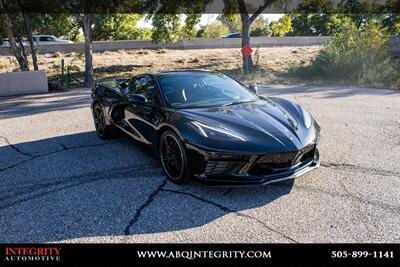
238	102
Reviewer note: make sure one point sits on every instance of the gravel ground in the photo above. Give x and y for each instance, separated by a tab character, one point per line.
60	183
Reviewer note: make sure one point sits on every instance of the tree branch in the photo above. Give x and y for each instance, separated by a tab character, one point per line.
259	10
243	10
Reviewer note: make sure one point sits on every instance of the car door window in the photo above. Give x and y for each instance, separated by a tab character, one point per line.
144	85
46	39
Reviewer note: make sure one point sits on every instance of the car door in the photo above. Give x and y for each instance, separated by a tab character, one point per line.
143	117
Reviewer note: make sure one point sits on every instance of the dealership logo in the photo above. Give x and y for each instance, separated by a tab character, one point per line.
32	254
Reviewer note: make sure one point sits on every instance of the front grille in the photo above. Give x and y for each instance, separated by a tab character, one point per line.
272	163
278	160
219	167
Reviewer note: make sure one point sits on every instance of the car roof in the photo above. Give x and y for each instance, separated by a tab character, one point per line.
182	72
229	34
43	35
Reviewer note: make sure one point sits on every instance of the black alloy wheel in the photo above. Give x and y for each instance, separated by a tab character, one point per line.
102	129
173	158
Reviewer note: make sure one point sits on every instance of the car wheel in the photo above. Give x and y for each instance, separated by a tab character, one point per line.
102	129
173	158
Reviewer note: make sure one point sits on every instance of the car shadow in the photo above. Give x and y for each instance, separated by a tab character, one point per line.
78	186
24	105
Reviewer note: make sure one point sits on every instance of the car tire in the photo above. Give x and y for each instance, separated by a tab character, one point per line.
172	154
102	129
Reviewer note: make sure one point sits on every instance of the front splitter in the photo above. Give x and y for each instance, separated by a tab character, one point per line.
236	180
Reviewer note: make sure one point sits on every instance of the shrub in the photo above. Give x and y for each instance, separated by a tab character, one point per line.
196	60
356	56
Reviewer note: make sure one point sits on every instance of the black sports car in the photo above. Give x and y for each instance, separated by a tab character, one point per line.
210	128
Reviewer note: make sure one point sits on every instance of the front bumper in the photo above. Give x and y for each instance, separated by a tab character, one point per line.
238	170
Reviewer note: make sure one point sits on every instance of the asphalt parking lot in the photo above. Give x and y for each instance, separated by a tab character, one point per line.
59	182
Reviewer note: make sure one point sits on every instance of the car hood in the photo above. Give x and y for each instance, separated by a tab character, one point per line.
271	124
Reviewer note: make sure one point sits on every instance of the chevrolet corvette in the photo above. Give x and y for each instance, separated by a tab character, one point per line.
207	127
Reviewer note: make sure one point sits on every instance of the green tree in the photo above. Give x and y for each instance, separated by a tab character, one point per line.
169	25
61	25
144	33
189	28
260	27
282	26
166	28
115	26
215	29
169	28
16	46
232	21
312	18
392	20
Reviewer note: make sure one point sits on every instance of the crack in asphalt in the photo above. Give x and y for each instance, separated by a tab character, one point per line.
228	210
17	190
386	206
76	181
352	196
149	200
16	148
357	169
64	148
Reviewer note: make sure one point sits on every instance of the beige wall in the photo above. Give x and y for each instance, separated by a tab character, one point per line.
197	43
19	83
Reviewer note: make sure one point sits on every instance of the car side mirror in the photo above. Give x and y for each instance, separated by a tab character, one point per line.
254	88
137	99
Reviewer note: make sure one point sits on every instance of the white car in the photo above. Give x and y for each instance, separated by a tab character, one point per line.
49	39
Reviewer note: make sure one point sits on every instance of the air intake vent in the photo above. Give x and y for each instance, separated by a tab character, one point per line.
219	167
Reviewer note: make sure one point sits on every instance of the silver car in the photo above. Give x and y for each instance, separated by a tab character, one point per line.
49	39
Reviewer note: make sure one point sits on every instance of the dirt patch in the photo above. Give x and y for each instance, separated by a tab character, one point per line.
273	62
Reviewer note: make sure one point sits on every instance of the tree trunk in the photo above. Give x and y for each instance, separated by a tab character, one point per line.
15	50
87	29
22	47
247	60
28	25
246	23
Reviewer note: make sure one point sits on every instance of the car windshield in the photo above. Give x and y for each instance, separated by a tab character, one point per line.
190	90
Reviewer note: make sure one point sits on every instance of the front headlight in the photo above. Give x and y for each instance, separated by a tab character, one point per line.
214	132
307	117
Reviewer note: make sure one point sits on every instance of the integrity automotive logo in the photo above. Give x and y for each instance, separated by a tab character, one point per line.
32	254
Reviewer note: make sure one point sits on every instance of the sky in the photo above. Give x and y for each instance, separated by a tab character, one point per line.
209	18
